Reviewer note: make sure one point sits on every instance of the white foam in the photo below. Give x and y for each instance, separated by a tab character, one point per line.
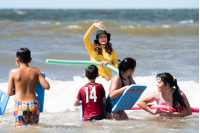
73	27
129	26
20	12
58	23
165	26
43	22
62	94
186	21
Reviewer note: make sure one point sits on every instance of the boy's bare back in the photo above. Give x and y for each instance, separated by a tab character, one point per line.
23	80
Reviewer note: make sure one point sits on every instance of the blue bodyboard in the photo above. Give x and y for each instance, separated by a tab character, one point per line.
3	102
128	98
80	111
40	94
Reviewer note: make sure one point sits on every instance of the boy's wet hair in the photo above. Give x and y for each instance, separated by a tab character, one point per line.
24	55
91	72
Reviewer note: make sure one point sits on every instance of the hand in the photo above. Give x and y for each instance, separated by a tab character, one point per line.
168	112
103	63
100	25
157	111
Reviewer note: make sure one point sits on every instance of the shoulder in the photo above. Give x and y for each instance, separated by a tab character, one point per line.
113	51
153	94
35	70
13	71
116	77
182	93
82	89
98	85
116	80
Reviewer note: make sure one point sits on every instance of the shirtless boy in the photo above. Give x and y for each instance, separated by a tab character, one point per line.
92	96
22	83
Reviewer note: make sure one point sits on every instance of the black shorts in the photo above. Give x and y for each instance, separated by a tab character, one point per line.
96	117
107	108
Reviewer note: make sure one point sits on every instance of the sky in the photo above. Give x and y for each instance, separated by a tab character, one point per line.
99	4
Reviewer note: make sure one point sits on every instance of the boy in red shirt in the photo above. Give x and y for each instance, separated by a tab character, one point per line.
92	96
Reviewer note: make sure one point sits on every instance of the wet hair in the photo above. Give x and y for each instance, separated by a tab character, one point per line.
125	64
91	72
24	55
177	98
98	48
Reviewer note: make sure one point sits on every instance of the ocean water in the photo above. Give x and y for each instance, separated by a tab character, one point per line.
159	40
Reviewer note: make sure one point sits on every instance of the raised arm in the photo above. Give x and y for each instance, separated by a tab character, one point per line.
86	38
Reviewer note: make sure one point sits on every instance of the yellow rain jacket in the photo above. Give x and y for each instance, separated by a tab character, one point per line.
113	60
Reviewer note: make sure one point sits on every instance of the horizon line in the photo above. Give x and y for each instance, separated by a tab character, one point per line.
103	8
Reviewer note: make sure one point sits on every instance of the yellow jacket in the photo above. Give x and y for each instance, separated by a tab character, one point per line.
113	60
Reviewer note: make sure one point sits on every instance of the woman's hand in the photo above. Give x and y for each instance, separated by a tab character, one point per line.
103	63
100	25
168	112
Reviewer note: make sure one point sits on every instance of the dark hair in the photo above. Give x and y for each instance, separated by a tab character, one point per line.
24	55
125	64
177	98
91	72
99	49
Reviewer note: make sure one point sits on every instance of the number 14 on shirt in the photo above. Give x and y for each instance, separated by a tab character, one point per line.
92	94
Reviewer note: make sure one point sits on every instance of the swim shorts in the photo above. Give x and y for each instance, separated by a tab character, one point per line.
26	113
96	117
107	108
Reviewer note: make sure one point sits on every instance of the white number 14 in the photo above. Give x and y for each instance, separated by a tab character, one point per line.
93	91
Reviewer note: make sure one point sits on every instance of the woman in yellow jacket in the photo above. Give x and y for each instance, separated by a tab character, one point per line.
101	49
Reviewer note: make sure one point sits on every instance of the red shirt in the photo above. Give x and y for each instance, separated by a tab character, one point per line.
91	96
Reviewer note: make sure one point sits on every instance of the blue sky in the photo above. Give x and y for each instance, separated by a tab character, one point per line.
99	4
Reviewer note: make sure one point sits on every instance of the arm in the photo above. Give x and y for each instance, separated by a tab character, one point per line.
11	84
76	102
115	89
78	98
115	59
43	81
185	112
148	99
86	38
104	95
104	99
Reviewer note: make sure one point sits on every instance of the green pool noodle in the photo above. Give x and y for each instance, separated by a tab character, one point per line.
78	62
